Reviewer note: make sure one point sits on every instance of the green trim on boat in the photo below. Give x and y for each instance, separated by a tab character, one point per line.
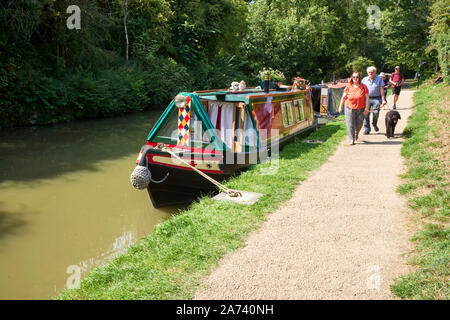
197	107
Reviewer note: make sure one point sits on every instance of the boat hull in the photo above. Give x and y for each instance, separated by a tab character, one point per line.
182	185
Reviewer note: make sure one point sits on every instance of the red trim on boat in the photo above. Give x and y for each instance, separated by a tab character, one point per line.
150	159
190	149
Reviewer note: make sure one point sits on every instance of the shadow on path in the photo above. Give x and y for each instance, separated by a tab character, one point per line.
387	142
298	147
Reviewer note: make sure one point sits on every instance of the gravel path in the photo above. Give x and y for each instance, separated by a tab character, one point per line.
343	235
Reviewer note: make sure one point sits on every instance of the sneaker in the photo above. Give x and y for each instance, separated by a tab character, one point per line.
366	132
376	128
394	107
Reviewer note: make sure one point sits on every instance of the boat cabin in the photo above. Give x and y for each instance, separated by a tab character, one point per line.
233	121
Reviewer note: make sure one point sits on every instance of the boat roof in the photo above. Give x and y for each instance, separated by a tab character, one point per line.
237	96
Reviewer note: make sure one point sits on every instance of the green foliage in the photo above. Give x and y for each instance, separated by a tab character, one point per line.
50	74
431	279
288	36
405	35
360	64
197	44
440	34
426	186
276	75
80	94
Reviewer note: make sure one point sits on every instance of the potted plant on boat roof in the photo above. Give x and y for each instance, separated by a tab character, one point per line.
276	77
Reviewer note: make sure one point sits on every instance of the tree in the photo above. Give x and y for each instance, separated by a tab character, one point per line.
360	65
440	34
405	33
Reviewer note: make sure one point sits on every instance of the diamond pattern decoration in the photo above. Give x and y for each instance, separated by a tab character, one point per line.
184	117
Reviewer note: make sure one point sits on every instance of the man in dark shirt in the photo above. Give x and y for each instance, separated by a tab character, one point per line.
397	79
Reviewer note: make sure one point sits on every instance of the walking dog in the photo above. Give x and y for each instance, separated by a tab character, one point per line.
392	118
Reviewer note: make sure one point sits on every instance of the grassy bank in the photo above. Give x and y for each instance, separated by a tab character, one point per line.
171	261
426	185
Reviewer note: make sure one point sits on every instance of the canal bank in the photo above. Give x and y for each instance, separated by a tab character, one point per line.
66	204
170	262
348	243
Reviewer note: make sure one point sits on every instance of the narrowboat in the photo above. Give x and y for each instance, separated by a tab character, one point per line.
217	133
326	97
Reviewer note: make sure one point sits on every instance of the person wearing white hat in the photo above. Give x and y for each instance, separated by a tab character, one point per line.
385	79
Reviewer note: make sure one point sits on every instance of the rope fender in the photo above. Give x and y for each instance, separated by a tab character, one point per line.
141	176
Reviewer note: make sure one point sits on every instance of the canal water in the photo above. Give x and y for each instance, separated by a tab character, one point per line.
66	202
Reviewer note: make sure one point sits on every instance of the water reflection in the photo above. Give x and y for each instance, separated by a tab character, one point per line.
66	200
44	152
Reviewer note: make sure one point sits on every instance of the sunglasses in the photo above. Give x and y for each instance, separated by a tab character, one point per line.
355	77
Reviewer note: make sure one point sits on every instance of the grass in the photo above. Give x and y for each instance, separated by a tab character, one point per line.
171	261
426	185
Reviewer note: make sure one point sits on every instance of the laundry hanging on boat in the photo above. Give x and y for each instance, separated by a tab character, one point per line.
221	116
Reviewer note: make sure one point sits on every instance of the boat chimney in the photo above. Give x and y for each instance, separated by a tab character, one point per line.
267	82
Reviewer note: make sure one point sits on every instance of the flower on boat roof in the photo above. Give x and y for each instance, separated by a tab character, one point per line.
275	75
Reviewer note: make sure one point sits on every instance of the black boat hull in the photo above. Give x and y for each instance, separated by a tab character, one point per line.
181	186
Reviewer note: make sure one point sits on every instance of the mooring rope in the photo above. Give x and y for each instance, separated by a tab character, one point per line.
231	193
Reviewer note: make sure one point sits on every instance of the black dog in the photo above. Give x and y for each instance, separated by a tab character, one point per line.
391	121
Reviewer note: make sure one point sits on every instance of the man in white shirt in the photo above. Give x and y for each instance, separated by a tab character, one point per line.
376	97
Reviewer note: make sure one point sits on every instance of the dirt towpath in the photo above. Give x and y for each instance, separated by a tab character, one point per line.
343	235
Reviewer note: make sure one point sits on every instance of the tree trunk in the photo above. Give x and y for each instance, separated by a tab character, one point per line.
125	5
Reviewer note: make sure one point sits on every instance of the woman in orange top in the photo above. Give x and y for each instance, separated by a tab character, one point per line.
356	98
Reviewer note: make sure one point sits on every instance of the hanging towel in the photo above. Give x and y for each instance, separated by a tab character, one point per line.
221	116
226	129
250	138
212	112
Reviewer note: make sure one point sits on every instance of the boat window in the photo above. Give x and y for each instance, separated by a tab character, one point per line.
287	113
194	127
168	132
299	110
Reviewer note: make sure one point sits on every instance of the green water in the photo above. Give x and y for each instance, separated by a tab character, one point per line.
66	202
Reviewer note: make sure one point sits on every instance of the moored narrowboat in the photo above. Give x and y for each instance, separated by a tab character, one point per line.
217	134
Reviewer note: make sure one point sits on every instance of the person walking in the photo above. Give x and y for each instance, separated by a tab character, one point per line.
376	97
356	99
397	79
386	85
